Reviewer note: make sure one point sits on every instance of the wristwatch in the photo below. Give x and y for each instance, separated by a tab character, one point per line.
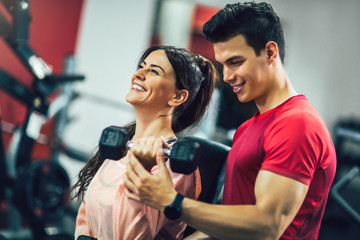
173	210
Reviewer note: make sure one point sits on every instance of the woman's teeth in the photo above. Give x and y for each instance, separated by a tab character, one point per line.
139	88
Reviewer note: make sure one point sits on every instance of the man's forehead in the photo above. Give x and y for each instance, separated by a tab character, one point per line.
234	47
223	53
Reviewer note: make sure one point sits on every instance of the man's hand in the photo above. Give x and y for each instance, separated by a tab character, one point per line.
156	190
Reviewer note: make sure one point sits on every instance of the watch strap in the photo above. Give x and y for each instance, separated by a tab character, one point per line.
173	211
178	200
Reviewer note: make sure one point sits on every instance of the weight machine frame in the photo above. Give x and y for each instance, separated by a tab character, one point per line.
38	107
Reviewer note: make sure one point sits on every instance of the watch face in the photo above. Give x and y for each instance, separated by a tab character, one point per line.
172	212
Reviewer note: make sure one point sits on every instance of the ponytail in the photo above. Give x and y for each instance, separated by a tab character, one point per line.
192	111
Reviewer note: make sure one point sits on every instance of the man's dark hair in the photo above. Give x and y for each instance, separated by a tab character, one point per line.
257	22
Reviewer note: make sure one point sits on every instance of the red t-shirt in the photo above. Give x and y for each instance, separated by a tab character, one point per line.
290	140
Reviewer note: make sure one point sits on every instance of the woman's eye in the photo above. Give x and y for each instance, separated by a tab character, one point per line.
140	67
154	71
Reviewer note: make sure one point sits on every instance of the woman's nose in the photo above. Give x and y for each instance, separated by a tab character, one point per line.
140	74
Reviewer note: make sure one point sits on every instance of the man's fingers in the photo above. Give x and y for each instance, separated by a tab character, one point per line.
131	195
128	182
136	166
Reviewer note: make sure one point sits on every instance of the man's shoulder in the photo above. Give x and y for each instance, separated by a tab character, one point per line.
298	110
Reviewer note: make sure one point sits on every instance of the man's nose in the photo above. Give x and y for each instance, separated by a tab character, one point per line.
228	75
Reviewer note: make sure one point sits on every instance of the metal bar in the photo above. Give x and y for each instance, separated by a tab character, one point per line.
342	183
21	93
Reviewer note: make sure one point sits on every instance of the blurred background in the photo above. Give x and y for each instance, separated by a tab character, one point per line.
90	49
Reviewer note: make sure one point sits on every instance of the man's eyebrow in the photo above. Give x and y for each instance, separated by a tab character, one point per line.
154	65
234	58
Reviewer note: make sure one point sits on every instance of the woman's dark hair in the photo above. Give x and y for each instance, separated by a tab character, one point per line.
193	73
257	22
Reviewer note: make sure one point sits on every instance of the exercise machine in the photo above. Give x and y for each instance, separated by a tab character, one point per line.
37	188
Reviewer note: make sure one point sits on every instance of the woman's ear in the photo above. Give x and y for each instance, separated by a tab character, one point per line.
179	98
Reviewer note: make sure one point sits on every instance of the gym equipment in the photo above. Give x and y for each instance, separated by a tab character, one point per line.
82	237
40	192
340	200
212	165
60	237
347	140
38	188
184	155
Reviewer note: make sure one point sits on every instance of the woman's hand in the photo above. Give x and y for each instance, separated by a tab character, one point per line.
145	150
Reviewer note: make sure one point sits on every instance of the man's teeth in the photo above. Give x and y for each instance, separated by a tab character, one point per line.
137	87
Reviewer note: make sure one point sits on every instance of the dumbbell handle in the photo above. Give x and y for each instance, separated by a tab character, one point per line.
184	154
167	152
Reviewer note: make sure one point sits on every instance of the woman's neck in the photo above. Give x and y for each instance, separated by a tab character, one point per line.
147	126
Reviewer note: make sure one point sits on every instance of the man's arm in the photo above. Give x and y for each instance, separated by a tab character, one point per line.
278	199
198	236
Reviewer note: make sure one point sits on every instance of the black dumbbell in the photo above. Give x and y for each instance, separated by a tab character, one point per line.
184	155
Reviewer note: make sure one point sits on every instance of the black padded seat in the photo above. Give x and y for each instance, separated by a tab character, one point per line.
212	171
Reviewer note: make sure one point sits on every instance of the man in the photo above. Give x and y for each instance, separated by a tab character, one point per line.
282	162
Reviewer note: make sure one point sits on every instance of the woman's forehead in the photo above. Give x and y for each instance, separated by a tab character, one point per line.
159	58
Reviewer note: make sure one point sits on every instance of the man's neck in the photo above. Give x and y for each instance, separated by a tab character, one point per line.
282	91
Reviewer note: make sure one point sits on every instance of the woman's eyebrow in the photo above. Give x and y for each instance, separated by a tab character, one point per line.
154	65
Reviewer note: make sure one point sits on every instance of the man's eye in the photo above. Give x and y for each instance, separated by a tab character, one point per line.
140	67
236	62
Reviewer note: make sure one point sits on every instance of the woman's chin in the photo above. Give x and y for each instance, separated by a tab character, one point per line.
132	101
129	98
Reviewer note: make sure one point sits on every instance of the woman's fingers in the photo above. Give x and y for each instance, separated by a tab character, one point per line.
145	150
160	160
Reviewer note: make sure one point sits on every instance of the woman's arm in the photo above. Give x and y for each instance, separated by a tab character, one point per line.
81	227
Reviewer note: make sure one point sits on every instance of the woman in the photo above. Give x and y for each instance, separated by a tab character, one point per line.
170	91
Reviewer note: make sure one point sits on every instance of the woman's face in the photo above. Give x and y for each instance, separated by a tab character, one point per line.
153	84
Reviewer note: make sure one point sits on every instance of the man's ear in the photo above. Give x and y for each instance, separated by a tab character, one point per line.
179	98
272	51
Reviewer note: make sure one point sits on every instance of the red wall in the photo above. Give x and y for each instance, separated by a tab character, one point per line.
53	34
198	43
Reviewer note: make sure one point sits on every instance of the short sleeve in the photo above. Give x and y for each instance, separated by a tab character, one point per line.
291	147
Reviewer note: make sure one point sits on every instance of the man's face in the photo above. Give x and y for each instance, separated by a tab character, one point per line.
245	72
